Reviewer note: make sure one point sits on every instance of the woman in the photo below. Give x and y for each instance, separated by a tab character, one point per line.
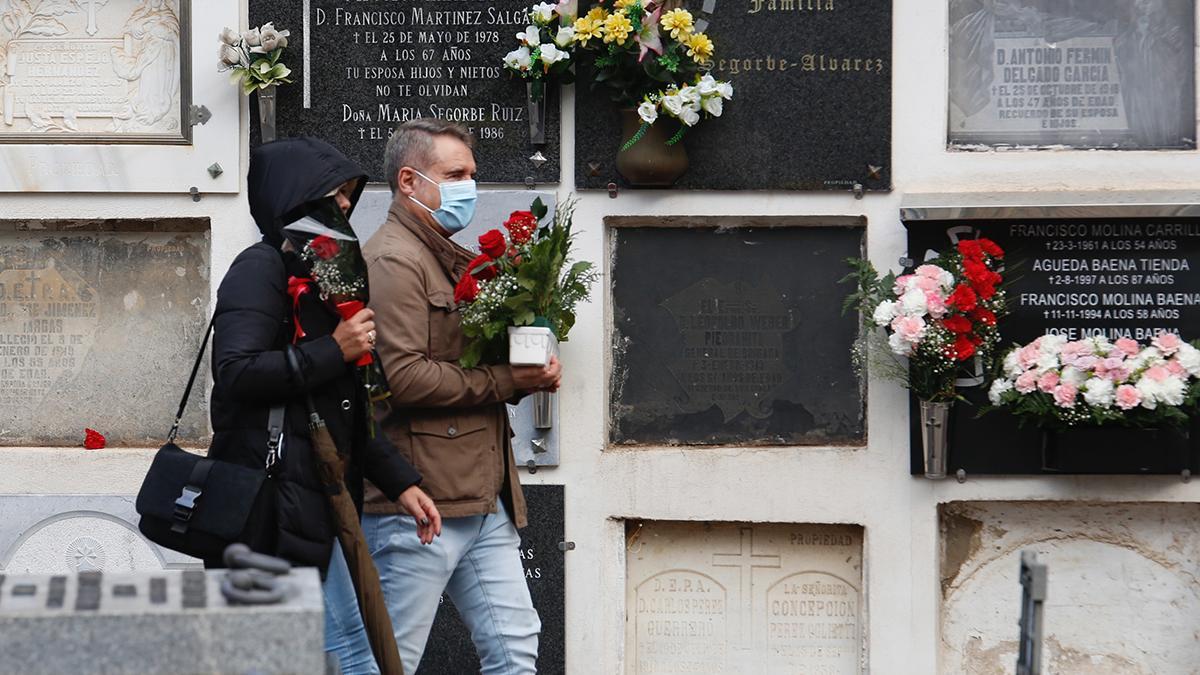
255	319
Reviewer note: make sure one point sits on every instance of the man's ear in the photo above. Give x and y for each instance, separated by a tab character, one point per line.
406	181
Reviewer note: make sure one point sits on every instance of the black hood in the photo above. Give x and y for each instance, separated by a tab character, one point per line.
287	174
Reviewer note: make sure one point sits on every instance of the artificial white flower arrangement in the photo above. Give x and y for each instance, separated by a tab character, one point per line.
253	57
547	47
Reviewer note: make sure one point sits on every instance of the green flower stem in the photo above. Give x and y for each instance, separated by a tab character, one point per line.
641	132
678	135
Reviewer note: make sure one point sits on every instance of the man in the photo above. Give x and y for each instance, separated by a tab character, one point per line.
450	422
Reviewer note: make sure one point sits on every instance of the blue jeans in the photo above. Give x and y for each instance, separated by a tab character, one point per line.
345	634
477	563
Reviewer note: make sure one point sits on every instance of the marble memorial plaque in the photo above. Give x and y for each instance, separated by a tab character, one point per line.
99	329
371	65
1120	585
714	340
77	533
746	599
1114	74
450	651
811	108
92	71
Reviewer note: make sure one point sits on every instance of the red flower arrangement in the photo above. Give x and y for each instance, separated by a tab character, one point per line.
93	440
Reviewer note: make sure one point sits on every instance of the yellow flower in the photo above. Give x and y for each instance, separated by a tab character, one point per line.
699	47
586	28
622	4
597	14
617	28
678	21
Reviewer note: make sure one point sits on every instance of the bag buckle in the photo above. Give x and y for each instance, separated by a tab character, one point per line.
184	506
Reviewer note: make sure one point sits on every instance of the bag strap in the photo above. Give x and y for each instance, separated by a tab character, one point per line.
187	392
275	421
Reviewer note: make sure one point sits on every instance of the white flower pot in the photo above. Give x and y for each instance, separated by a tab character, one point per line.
531	345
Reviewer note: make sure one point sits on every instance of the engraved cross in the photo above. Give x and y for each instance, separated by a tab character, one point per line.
92	28
746	560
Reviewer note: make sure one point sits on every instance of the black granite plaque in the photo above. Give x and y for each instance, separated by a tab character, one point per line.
450	650
1117	278
811	108
734	335
374	64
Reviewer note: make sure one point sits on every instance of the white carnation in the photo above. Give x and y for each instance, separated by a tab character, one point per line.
1189	357
914	303
1052	344
884	313
999	387
1099	392
1073	376
899	345
1012	363
1046	362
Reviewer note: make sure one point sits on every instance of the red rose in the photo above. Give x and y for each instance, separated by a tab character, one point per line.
482	268
492	243
990	248
957	324
984	316
963	298
467	289
324	247
521	226
963	348
93	440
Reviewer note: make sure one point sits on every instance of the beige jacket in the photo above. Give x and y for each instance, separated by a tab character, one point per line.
449	422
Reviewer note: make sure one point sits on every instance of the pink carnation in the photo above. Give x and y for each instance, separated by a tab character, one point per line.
936	304
910	328
1128	397
1064	395
901	284
1130	347
1157	373
1028	355
926	284
1026	382
1168	343
929	272
1176	369
1048	382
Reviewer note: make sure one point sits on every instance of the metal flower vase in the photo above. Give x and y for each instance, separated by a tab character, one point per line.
535	93
266	112
935	437
649	161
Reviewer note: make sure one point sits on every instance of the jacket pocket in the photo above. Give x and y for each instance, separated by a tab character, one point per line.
445	327
450	450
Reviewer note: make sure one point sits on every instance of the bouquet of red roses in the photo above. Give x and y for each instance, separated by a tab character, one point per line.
521	280
339	272
936	317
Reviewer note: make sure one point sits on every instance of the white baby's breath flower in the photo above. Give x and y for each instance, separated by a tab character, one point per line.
648	112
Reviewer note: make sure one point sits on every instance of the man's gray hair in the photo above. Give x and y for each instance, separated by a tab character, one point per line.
412	144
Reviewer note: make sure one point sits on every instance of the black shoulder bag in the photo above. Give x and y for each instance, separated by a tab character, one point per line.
198	506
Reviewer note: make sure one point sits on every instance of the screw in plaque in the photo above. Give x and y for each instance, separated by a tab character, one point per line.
874	172
593	169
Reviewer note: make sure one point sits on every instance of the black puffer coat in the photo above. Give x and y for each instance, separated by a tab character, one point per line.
254	321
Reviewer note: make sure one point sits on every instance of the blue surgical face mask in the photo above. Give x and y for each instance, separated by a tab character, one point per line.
458	203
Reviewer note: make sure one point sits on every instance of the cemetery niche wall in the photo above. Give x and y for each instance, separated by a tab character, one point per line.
1116	74
361	69
1075	270
811	108
716	321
